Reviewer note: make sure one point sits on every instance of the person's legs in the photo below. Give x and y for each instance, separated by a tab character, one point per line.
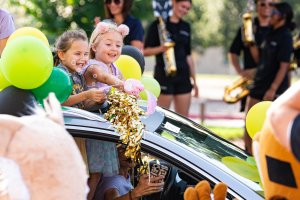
164	100
247	139
182	103
92	183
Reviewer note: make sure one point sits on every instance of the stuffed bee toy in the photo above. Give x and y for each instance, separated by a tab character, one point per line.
276	148
38	157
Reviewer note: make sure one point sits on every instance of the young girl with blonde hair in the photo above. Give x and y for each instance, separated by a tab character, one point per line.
105	48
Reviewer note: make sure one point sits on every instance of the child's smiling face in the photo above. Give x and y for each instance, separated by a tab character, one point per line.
76	57
109	48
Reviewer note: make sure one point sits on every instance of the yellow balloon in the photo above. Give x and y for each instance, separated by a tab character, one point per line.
28	31
129	66
256	117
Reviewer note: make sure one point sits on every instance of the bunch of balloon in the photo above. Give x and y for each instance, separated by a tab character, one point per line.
26	61
256	117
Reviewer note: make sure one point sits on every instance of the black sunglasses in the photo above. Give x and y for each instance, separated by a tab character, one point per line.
117	2
263	4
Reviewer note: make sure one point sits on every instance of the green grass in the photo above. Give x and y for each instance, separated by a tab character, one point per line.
227	133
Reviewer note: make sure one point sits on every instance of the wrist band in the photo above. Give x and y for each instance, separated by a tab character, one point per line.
130	195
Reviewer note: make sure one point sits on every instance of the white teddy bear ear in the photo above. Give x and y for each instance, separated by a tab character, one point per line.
12	185
53	109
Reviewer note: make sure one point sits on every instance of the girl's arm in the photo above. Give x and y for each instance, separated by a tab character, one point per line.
270	94
102	76
93	94
74	99
190	62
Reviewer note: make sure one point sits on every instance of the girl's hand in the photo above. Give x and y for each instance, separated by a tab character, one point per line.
95	94
103	98
269	95
146	188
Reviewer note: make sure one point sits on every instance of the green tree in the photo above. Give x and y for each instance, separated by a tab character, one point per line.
55	16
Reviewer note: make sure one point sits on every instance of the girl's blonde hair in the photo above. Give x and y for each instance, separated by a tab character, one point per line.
101	29
64	42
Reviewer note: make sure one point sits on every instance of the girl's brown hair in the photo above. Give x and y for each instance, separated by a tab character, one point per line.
64	42
127	4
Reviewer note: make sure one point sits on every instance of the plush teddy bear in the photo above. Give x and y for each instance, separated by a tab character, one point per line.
202	192
39	159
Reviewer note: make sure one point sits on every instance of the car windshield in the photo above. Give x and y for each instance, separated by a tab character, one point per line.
205	143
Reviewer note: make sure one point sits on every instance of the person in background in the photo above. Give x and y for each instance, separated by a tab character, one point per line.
179	87
261	27
7	27
119	10
271	79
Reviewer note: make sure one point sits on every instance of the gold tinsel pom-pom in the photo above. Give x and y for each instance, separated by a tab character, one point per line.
124	115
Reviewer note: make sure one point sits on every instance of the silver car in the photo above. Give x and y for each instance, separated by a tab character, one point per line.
191	152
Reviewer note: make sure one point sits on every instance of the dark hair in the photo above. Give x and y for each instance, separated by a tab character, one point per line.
127	4
286	10
64	42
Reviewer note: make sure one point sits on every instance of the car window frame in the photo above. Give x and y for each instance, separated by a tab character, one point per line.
151	145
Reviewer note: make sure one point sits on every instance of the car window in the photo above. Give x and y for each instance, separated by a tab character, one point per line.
203	142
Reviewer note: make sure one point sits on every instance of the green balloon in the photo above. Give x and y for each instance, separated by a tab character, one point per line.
3	81
151	85
26	62
59	82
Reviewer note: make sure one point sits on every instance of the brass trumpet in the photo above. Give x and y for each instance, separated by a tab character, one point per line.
243	83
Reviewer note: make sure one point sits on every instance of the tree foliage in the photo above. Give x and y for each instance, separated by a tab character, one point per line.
213	22
55	16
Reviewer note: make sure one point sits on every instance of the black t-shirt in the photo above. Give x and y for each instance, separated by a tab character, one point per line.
237	46
295	137
136	31
277	47
180	34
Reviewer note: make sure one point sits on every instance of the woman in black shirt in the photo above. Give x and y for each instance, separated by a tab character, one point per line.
271	78
178	87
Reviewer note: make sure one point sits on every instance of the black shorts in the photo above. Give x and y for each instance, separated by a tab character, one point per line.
176	86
